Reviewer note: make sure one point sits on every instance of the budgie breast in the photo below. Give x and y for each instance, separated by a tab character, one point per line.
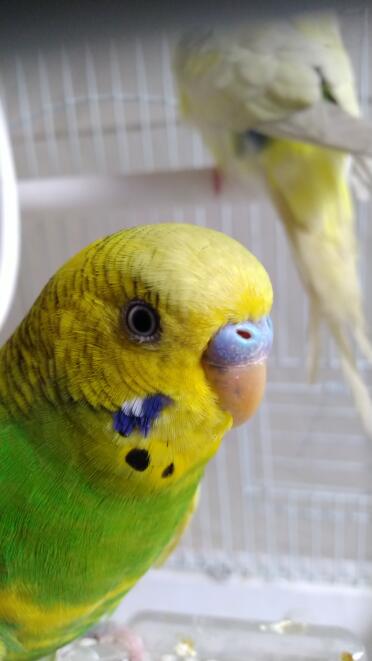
94	544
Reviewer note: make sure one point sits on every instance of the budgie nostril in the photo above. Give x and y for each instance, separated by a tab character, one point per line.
235	366
246	335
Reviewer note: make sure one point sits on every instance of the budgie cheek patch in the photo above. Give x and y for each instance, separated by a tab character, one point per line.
139	413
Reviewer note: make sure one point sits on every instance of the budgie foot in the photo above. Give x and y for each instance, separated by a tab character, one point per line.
107	642
122	636
217	180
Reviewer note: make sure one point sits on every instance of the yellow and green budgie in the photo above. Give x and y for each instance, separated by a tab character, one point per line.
272	98
115	391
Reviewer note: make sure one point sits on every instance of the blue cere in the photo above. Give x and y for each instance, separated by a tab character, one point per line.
139	414
240	344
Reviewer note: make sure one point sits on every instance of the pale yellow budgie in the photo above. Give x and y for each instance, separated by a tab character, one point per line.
276	97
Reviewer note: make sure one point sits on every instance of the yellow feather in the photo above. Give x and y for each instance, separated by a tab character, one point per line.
309	187
37	624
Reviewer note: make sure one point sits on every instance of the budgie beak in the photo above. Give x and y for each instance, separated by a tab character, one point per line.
235	366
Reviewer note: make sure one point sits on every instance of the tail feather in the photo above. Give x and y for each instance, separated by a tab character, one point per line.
314	346
360	394
359	389
340	331
363	343
361	176
310	188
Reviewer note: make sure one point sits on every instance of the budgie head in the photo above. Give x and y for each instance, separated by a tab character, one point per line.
159	333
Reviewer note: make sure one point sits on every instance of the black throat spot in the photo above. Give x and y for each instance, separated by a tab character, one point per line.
138	459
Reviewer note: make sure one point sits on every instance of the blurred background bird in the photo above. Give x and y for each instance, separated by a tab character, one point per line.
277	99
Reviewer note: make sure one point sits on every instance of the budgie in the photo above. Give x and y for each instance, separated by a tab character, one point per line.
115	391
272	99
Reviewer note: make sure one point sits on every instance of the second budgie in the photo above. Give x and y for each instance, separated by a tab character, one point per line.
115	392
262	95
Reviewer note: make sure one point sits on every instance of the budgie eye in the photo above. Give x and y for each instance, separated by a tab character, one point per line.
142	321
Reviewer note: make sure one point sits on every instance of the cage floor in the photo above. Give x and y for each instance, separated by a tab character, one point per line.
319	606
155	636
173	637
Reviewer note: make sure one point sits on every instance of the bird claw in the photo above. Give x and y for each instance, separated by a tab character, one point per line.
115	634
106	642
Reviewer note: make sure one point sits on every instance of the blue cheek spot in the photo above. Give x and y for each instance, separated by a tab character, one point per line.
139	414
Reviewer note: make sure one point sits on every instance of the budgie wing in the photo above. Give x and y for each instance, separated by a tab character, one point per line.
327	125
265	72
285	80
